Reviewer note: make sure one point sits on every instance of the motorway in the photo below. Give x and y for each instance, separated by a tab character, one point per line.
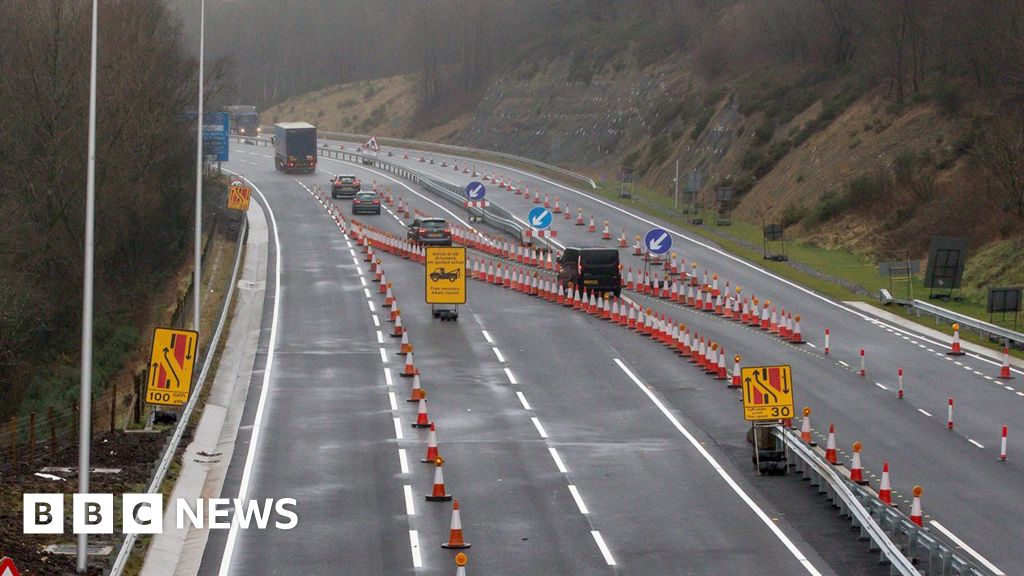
573	446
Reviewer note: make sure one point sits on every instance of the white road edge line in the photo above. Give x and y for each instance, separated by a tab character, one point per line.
604	547
522	400
579	500
721	472
414	544
963	546
540	429
558	460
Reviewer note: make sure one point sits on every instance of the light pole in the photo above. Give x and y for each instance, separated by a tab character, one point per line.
197	274
676	180
85	400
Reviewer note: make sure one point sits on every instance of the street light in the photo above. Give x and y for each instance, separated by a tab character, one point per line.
197	255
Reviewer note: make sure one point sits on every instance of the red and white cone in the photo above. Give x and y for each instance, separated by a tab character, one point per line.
899	392
406	345
955	350
417	393
460	564
915	507
862	371
795	336
949	414
826	340
735	383
885	488
830	446
1004	371
1002	446
421	415
721	373
410	370
432	452
438	494
606	234
591	227
455	541
398	330
856	470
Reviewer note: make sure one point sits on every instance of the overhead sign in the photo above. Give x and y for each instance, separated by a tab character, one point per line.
540	218
475	191
658	241
445	275
171	358
767	392
238	197
7	567
371	144
215	135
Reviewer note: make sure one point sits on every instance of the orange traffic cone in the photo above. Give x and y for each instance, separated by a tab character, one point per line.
432	454
606	234
592	227
438	494
885	489
398	331
455	541
955	348
830	446
409	370
735	372
421	417
805	428
417	393
1004	371
795	337
406	345
915	507
389	298
460	564
856	470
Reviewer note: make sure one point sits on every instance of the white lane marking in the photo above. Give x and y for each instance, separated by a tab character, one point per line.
1019	393
383	355
977	373
393	400
398	428
410	508
511	378
403	460
921	346
257	423
372	308
975	442
380	337
498	354
387	377
988	377
558	460
963	546
487	337
351	251
367	292
844	363
721	472
540	429
1010	388
579	500
924	412
414	543
604	547
356	262
880	385
376	321
362	280
811	344
522	400
959	363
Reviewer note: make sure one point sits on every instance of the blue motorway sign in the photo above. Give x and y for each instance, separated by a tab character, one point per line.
540	218
658	241
475	191
215	135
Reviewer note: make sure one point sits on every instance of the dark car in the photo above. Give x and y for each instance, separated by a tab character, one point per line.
432	231
440	274
366	203
345	186
591	268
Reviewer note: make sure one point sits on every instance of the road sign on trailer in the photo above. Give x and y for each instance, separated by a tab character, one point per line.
658	241
475	191
171	359
445	275
7	567
540	218
767	392
238	197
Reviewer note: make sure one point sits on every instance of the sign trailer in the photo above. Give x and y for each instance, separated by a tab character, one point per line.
767	400
172	357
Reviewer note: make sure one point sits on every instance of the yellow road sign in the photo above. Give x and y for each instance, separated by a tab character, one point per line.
445	275
767	392
238	197
172	357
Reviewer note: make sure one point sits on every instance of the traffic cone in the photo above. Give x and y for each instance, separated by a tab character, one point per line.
884	488
579	217
389	298
1002	446
591	227
795	337
455	541
417	393
736	370
949	415
862	371
438	494
622	240
955	348
830	446
398	331
558	209
826	340
409	370
460	564
856	470
915	506
432	453
615	318
721	375
1004	371
606	234
899	393
421	415
631	319
637	250
406	345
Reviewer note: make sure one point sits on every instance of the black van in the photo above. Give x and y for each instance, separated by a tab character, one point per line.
591	268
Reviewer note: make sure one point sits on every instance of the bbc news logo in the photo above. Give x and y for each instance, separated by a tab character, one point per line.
144	513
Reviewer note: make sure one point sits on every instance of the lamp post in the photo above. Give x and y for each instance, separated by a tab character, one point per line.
197	274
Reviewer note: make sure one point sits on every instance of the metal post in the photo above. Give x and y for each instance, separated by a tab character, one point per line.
85	394
677	185
197	254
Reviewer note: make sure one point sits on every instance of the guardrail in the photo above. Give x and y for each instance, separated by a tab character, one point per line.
1010	337
900	542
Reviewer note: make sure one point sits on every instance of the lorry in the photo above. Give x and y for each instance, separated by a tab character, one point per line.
295	147
244	120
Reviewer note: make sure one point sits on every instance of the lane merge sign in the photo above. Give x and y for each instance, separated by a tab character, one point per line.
238	195
658	241
540	218
172	357
767	393
7	567
475	191
445	275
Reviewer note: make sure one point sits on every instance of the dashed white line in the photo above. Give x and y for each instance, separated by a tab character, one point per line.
498	354
1010	388
522	400
398	429
370	304
926	413
393	400
403	461
963	546
844	363
387	377
356	262
414	543
362	280
410	508
540	429
579	500
380	337
811	344
558	461
1019	393
880	385
604	547
986	377
487	337
511	378
959	363
975	442
376	321
977	373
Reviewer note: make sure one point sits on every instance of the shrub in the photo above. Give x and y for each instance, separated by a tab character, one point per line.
702	123
793	212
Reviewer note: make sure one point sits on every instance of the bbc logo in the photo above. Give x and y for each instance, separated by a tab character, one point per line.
92	514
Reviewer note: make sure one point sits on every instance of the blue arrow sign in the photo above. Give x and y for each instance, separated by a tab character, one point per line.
658	241
475	191
540	218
